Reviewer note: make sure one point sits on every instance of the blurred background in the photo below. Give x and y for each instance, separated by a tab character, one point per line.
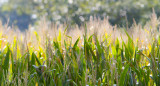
22	13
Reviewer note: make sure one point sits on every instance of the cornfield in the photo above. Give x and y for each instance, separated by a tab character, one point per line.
96	53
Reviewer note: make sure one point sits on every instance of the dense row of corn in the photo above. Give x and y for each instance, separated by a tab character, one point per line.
96	54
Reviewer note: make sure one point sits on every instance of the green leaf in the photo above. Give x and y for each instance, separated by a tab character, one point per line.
33	54
33	59
123	75
76	43
6	61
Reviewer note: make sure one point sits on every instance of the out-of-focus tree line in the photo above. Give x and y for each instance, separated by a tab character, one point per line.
25	12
